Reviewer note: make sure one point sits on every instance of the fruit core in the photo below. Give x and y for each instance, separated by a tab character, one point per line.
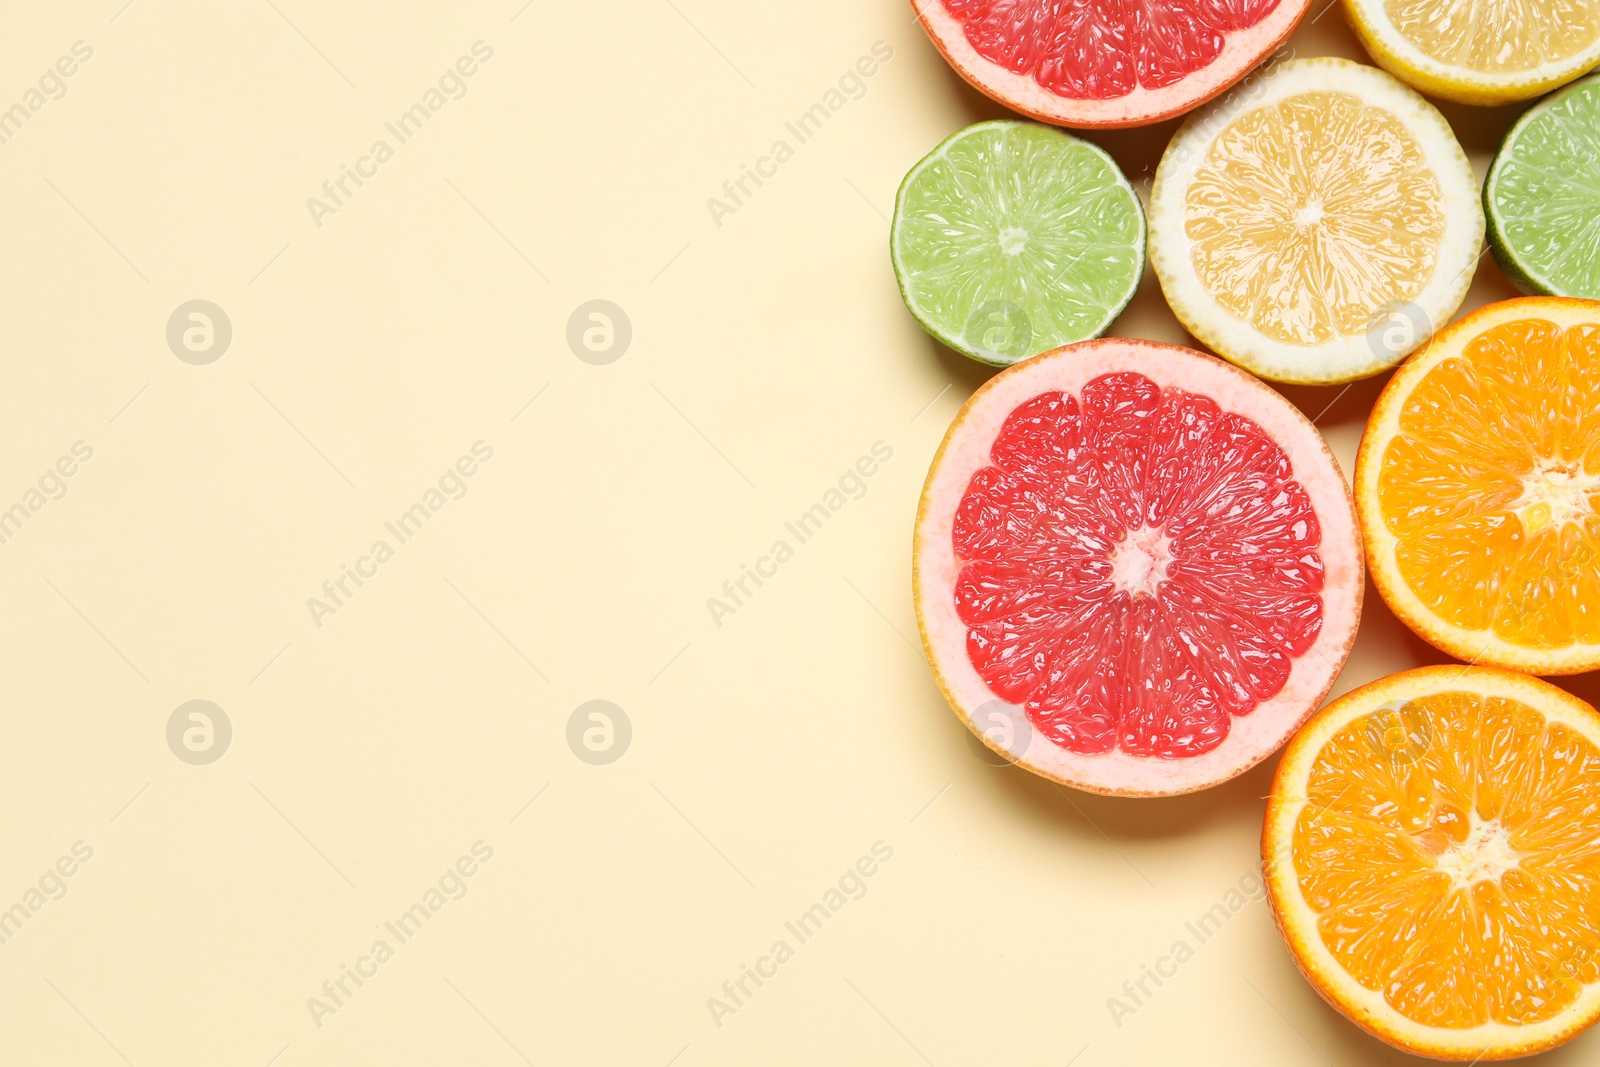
1013	239
1139	561
1138	567
1485	854
1104	51
1555	493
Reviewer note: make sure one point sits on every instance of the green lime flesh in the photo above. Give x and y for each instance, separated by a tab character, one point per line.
1542	195
1011	239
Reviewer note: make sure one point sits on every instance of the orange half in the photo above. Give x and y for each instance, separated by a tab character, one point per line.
1478	487
1432	857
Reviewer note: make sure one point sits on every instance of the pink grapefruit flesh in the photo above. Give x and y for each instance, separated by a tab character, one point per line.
1150	557
1089	63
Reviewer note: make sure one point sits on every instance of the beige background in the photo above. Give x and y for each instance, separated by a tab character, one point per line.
371	752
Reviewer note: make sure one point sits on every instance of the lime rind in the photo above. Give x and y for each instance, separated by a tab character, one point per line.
1012	238
1542	195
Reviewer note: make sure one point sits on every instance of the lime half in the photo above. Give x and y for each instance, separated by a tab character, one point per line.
1542	196
1012	239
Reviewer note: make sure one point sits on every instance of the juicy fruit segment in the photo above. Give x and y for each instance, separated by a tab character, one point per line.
1292	217
1014	238
1491	486
1497	36
1448	845
1103	51
1138	567
1543	196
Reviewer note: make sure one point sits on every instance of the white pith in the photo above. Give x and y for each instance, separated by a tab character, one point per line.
1392	48
1139	561
1241	51
1472	646
1298	920
1346	357
1252	737
1484	856
1555	493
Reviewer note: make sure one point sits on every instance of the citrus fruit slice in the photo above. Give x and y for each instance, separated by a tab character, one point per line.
1314	228
1480	51
1542	196
1136	568
1106	64
1432	857
1478	487
1012	238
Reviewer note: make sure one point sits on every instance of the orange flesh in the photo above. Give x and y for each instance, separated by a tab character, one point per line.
1451	848
1492	482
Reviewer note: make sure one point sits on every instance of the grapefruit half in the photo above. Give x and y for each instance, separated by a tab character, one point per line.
1088	63
1136	568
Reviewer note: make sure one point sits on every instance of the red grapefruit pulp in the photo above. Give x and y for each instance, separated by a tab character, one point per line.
1106	62
1141	560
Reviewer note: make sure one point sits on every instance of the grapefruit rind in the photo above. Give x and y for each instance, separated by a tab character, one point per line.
1244	50
1472	646
966	449
1394	53
1347	357
1297	921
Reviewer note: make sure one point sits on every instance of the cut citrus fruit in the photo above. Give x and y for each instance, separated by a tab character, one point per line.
1478	486
1542	196
1313	229
1106	64
1480	51
1136	568
1432	856
1012	238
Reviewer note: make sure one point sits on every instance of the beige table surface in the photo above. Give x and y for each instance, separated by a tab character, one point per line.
380	735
